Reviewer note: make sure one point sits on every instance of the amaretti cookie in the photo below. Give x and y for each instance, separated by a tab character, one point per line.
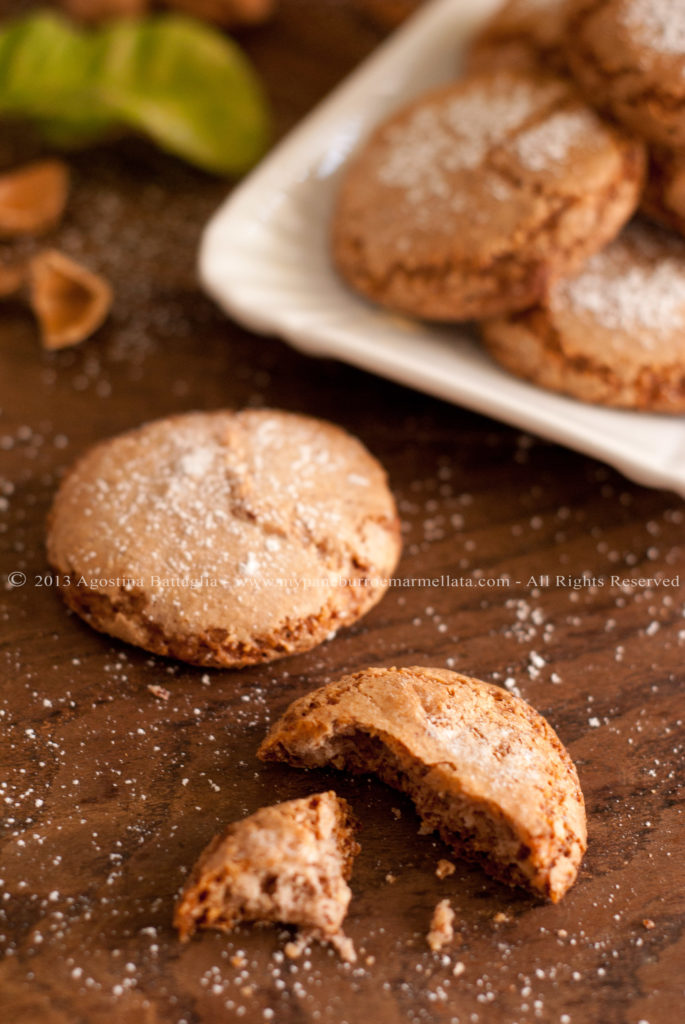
286	864
522	34
470	201
482	767
628	56
614	334
225	538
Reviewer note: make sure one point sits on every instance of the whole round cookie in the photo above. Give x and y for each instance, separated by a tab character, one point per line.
471	200
522	34
225	538
614	334
628	56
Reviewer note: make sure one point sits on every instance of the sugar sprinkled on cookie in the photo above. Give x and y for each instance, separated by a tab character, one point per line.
474	197
482	767
288	863
658	24
613	334
643	297
225	538
628	56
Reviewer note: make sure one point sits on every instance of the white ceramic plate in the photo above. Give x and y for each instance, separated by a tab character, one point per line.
264	258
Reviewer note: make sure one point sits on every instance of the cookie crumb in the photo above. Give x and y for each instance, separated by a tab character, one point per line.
442	926
648	923
159	691
444	869
294	949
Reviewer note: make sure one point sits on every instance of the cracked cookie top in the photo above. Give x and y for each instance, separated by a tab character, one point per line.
523	34
221	537
471	199
613	334
629	58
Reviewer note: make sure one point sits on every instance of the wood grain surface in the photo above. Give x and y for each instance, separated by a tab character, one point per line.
110	792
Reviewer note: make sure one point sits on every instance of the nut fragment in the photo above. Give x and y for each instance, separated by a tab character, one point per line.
33	197
69	301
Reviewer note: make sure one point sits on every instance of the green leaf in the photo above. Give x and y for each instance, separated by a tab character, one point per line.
46	74
179	82
188	88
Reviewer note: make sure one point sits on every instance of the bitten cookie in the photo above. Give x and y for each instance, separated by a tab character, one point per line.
470	201
482	767
615	334
287	864
225	538
628	56
521	34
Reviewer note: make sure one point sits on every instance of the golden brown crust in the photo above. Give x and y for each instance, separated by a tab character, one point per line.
628	56
288	863
470	201
613	335
483	768
521	34
225	538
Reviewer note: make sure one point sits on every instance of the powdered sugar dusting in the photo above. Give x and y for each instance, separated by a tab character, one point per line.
553	140
635	285
659	24
439	141
197	462
205	505
504	752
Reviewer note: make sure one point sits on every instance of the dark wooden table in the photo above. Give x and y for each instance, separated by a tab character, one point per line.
109	792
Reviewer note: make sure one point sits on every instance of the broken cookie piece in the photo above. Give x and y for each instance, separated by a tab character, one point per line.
483	768
288	863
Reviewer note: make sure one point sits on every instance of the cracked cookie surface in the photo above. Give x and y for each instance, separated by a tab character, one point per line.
628	56
470	201
521	34
218	537
612	335
483	768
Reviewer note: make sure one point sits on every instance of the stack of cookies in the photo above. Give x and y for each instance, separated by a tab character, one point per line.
510	197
